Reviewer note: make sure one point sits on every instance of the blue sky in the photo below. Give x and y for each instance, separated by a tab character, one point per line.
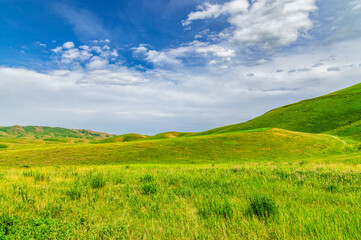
154	66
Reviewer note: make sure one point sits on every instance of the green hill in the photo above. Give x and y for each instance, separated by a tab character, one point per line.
268	145
337	113
137	137
121	138
49	133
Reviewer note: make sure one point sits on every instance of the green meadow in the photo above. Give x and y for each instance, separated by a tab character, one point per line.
294	200
292	173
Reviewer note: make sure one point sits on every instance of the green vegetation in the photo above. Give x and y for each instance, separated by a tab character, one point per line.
263	206
310	201
270	145
3	146
121	138
137	137
337	113
171	135
36	132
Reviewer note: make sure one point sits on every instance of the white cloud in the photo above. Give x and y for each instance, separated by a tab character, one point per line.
97	63
119	76
266	23
68	45
105	47
96	49
160	58
73	54
356	5
105	41
216	50
57	49
192	49
85	47
208	10
95	57
114	53
141	49
119	99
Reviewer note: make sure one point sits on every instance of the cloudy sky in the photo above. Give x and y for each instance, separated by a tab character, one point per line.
151	66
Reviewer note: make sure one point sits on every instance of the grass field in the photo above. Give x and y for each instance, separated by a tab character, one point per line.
294	200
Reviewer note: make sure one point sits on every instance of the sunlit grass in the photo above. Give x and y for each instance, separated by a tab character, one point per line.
306	200
265	145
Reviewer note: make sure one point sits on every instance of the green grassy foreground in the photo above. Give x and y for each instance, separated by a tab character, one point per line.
304	201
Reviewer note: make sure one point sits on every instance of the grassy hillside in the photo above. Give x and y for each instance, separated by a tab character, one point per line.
37	132
172	134
338	112
121	138
270	145
137	137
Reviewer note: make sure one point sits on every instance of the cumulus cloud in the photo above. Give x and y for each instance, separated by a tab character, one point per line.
97	63
265	23
176	55
184	99
216	50
105	41
93	57
68	45
69	54
208	10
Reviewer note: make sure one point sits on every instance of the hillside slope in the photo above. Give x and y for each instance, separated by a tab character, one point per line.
339	110
138	137
37	132
269	145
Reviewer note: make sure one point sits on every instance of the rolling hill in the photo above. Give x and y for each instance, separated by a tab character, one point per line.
336	113
37	132
267	145
138	137
304	130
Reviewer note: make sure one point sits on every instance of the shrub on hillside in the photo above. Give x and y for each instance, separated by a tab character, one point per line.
147	178
149	189
215	207
3	146
97	181
74	193
263	206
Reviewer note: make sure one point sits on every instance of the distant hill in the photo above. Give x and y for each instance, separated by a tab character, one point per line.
37	132
135	137
121	138
337	113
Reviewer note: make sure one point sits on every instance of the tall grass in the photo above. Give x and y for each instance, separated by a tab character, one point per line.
249	201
